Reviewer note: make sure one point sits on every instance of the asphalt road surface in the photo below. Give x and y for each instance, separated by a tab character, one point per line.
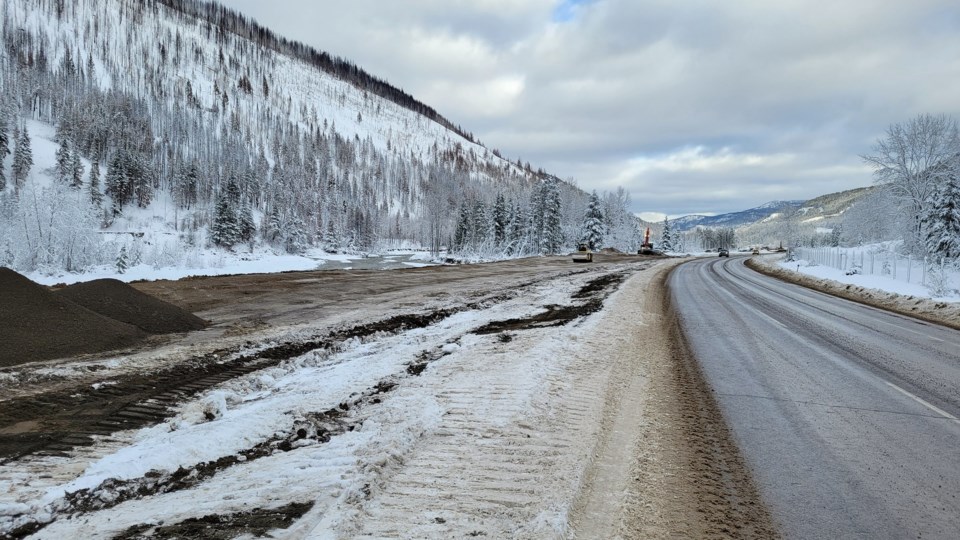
846	415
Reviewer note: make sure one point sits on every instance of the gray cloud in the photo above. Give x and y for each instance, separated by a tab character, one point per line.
694	106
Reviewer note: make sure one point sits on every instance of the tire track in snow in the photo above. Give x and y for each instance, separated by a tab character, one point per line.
509	456
236	481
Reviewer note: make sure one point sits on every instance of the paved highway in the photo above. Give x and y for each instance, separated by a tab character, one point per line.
846	415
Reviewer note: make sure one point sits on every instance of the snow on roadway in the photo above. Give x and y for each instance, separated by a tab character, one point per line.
493	438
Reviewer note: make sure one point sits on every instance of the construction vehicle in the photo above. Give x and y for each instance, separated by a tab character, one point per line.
583	254
646	248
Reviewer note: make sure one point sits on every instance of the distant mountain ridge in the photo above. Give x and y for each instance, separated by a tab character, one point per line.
737	219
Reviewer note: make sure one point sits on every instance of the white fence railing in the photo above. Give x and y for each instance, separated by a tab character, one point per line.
875	262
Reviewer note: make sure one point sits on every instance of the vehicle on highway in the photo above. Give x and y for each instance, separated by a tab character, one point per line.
723	252
755	251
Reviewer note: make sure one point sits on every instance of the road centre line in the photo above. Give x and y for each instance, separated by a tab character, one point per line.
919	400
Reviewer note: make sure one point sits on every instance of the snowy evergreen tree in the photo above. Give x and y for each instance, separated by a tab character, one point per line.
76	171
116	184
666	237
225	230
677	241
186	183
461	233
4	149
552	217
295	237
273	229
835	236
63	159
248	228
22	159
518	231
122	262
96	196
942	220
593	224
500	220
479	226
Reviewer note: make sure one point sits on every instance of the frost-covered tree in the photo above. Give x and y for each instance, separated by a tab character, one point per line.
51	229
500	220
225	230
295	236
942	220
273	229
63	161
76	171
678	244
185	185
123	261
666	237
4	149
835	235
22	159
461	233
246	224
517	235
96	196
552	217
593	223
116	183
480	226
911	160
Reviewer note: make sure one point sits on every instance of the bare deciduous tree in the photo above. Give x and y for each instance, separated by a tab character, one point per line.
910	161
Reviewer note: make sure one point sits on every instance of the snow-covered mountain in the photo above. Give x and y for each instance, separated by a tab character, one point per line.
737	219
187	124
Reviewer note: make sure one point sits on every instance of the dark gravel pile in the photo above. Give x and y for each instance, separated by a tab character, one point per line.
38	324
117	300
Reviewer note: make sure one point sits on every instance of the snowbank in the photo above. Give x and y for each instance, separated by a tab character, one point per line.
908	299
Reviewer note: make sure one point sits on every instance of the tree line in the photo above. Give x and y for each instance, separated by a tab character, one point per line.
242	163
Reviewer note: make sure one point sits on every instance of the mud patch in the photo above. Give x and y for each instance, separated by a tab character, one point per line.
68	418
308	430
600	285
592	295
553	316
256	523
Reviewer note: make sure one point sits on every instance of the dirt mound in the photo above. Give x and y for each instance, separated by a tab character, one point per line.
39	325
117	300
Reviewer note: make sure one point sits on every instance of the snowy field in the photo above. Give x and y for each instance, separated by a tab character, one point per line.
218	262
436	432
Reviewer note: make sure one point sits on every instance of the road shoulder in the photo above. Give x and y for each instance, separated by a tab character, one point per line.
665	463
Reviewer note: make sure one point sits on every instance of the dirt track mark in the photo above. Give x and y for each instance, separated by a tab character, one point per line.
594	292
312	428
256	522
56	422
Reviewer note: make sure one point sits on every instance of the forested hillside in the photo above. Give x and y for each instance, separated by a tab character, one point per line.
153	129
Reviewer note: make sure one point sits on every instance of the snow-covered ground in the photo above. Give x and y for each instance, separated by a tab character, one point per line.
875	267
492	439
878	291
218	262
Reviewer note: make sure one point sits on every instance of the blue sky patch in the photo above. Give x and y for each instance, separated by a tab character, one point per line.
566	10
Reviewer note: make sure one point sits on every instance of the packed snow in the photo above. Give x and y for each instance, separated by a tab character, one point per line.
515	416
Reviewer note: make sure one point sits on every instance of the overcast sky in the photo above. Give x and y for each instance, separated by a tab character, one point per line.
693	106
